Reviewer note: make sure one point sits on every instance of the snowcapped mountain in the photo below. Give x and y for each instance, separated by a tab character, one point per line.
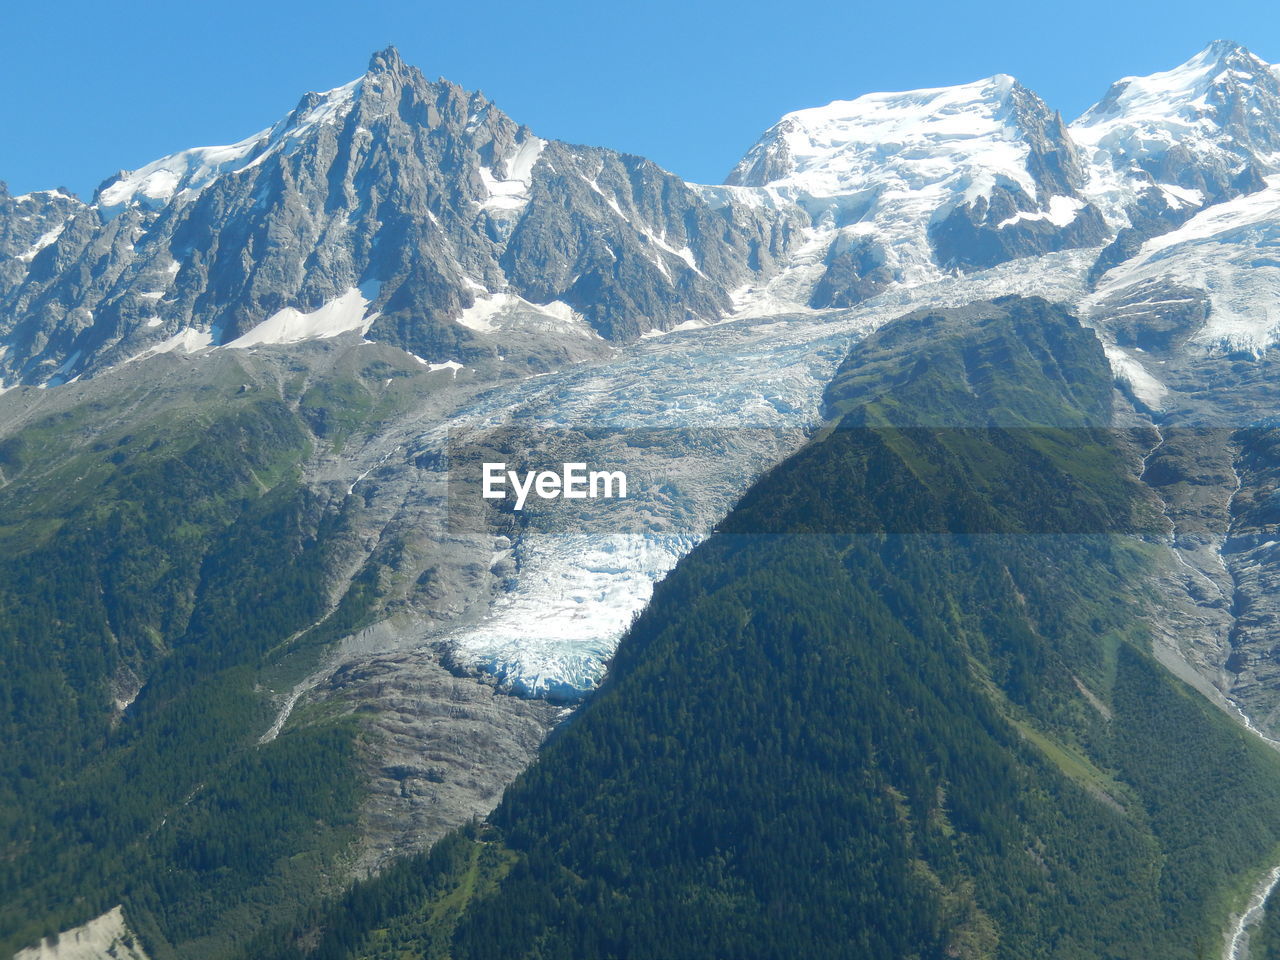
910	185
1161	147
389	206
1205	129
903	187
419	214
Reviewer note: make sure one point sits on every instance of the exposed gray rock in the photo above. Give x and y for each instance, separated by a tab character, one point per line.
990	230
424	196
1009	224
29	224
855	271
441	751
1156	316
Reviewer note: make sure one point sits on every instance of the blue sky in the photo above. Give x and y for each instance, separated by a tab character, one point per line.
94	87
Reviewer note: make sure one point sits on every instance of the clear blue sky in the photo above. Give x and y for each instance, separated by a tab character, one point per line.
92	87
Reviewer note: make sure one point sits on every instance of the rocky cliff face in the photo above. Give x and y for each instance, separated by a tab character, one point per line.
29	224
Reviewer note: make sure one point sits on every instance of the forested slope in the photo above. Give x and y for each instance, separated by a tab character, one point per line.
156	545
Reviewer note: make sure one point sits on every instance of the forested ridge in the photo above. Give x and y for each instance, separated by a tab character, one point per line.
901	705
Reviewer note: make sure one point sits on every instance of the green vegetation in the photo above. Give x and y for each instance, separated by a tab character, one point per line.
901	705
169	556
407	912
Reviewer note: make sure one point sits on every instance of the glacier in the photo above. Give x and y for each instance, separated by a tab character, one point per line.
752	386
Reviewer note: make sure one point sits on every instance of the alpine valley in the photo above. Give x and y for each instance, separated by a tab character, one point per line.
941	618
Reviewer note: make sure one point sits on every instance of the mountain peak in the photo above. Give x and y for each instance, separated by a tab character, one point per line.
892	168
387	60
1225	59
1200	133
1224	89
834	148
1223	50
1222	64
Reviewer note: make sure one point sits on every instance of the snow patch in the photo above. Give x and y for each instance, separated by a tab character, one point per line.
1149	391
59	376
512	191
678	328
342	315
611	201
685	253
68	364
43	241
1062	211
188	341
507	311
45	194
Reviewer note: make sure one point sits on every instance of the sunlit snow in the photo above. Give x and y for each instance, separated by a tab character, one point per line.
191	170
512	191
1223	250
349	312
1144	117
